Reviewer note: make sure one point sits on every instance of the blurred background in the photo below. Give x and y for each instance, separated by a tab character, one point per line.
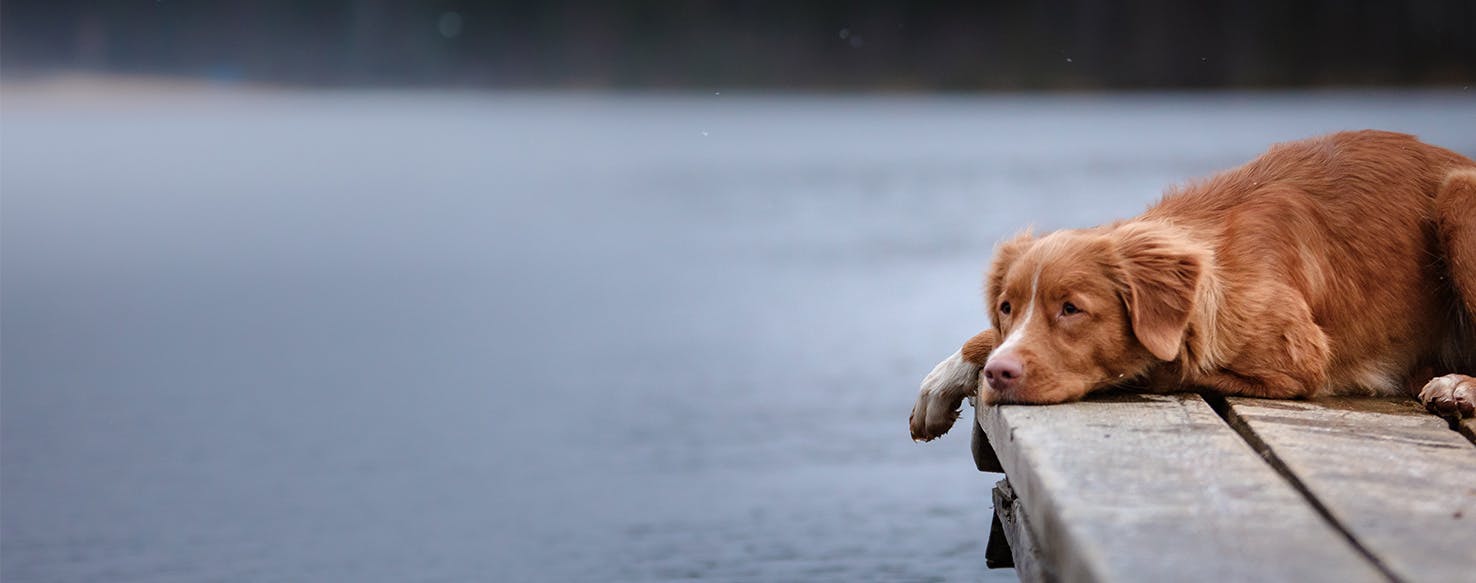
580	291
826	45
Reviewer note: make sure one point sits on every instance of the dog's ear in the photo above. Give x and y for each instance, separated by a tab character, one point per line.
1005	255
1160	272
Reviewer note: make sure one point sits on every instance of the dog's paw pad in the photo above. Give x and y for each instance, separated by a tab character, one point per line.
1452	395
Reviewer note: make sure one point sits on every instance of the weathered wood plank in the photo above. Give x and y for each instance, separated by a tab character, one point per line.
984	457
1159	488
1393	476
997	553
1025	553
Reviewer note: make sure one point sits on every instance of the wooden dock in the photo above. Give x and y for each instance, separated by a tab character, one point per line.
1177	488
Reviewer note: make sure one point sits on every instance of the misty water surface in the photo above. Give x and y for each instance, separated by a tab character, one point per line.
400	336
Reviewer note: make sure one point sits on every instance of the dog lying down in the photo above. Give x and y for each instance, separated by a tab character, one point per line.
1338	265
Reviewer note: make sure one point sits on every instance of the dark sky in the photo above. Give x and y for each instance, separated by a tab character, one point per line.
762	44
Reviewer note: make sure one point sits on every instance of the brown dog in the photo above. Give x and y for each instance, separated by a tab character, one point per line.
1344	264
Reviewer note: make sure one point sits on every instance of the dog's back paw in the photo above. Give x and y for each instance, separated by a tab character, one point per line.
1452	395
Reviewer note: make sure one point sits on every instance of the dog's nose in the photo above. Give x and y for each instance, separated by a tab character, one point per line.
1004	371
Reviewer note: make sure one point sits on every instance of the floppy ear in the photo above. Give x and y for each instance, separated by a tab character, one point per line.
1005	255
1161	272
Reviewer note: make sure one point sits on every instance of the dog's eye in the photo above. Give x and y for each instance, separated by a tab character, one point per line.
1004	308
1069	308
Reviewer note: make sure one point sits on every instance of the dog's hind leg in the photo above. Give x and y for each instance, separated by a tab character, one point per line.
1454	395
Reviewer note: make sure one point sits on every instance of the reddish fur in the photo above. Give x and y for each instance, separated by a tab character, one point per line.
1339	264
977	349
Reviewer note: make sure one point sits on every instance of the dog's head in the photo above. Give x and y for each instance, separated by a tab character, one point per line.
1081	310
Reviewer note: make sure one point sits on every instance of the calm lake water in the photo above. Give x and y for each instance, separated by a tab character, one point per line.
421	336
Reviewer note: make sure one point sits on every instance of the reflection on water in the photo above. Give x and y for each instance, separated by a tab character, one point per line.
416	336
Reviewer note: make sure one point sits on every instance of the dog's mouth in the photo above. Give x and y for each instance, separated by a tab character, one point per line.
1032	395
1122	382
1053	389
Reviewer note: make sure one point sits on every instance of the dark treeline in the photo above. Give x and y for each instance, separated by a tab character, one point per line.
775	44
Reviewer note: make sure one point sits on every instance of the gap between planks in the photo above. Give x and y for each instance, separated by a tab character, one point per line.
1221	407
1467	427
1065	496
1346	434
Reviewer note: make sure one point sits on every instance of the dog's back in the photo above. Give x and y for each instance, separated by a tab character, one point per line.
1347	221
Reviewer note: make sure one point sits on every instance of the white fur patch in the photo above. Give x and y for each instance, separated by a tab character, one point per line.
1371	375
951	377
1017	335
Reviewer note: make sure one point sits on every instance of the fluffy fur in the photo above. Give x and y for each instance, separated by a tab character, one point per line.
1343	264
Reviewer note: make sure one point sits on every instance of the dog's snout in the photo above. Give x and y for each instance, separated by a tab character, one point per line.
1004	372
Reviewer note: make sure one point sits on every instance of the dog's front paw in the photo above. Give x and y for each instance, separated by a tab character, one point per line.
941	396
1453	395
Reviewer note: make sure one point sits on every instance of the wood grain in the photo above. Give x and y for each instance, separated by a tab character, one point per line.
1394	477
1159	488
1025	552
